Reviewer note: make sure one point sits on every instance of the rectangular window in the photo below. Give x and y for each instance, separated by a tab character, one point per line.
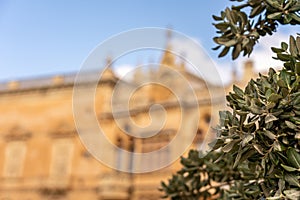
14	158
62	153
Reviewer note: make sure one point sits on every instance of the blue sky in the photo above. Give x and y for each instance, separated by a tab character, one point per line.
49	37
46	37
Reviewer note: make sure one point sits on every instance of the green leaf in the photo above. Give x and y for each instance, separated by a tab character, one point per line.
290	125
276	15
281	83
236	51
247	154
292	193
217	18
269	134
270	105
269	118
294	157
247	139
268	93
288	65
292	179
224	52
216	48
274	4
222	26
288	168
229	146
256	110
281	184
256	11
297	68
288	4
237	159
255	34
274	98
277	146
230	43
277	50
258	149
283	57
245	42
295	17
287	19
293	46
284	46
238	91
295	7
273	198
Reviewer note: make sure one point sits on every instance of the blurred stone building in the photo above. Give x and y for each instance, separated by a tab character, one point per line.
42	157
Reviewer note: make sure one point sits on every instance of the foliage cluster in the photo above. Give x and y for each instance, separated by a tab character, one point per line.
257	153
241	26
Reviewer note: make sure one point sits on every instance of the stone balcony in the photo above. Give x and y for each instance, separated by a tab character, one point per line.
107	186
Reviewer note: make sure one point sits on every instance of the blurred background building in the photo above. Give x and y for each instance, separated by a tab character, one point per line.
42	157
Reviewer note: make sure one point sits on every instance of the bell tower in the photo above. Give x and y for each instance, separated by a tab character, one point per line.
168	58
108	72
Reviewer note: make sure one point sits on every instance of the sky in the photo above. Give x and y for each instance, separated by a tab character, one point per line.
39	38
